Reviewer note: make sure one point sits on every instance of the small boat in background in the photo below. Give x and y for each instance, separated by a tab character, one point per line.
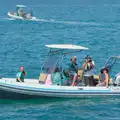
37	88
21	14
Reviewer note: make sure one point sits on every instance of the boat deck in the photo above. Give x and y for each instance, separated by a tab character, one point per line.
28	82
34	83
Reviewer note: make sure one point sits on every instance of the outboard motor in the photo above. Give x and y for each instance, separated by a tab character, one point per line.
117	79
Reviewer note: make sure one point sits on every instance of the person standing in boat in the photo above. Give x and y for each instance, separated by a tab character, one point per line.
73	68
104	77
20	75
20	12
88	68
17	11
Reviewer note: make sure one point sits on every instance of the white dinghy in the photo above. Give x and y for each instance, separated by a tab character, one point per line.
36	88
20	14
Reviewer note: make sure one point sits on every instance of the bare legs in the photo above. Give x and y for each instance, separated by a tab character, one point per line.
74	79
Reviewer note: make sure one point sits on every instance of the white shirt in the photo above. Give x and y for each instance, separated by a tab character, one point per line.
91	71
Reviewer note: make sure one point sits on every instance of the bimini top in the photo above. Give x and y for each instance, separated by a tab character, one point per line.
21	6
66	46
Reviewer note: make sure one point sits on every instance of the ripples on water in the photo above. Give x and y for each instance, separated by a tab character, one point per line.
22	43
92	108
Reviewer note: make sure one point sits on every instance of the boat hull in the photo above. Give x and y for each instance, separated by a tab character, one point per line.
16	96
14	90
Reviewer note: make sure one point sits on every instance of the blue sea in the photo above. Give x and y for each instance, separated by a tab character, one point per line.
90	23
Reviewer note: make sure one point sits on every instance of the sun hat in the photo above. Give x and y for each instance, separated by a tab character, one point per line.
104	68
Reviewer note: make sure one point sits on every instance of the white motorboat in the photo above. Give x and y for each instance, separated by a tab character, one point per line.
20	14
36	88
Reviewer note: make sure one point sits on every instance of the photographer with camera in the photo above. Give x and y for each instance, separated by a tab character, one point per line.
88	68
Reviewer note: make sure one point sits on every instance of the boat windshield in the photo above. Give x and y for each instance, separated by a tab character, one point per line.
110	63
113	66
55	59
51	63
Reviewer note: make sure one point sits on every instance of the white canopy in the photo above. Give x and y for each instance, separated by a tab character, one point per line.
66	46
21	6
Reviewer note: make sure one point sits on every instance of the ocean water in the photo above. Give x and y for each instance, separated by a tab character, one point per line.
91	23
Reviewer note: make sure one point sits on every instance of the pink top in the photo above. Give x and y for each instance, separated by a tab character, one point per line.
48	80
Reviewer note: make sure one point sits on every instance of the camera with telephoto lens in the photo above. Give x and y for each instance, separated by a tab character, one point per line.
90	61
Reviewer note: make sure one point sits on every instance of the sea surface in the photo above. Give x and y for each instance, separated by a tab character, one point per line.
90	23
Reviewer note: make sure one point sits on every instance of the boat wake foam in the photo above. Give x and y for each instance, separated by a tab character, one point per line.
66	22
57	21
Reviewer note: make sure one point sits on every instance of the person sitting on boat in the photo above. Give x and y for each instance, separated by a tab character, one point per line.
88	68
56	77
20	75
73	68
29	15
104	77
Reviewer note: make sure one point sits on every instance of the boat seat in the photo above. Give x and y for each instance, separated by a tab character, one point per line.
110	81
42	77
80	74
97	77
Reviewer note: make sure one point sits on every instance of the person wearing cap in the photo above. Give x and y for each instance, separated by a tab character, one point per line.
73	68
104	77
20	75
88	68
19	11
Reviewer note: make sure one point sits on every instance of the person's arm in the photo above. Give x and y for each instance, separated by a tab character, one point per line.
19	79
84	64
106	79
92	64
